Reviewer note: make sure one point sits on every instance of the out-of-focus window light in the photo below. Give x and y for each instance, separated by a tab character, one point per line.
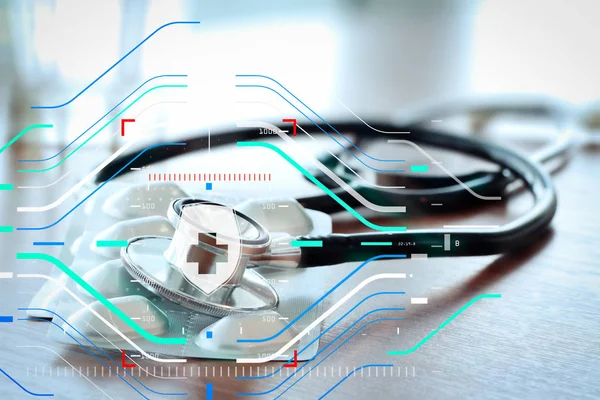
538	46
81	48
301	54
72	43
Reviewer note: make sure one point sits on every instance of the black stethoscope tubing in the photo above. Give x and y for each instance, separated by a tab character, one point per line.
339	248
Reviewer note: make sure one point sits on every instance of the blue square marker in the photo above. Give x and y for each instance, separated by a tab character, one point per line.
209	334
208	185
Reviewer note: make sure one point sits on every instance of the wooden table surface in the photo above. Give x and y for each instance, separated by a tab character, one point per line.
539	340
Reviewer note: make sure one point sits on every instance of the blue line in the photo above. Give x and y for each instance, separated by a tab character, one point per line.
318	116
19	385
337	348
94	124
382	256
115	64
48	243
104	183
326	347
6	318
352	373
101	351
318	337
209	391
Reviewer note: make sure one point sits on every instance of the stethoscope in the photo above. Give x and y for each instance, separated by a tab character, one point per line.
148	260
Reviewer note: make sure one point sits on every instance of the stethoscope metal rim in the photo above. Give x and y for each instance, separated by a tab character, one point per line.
249	246
252	283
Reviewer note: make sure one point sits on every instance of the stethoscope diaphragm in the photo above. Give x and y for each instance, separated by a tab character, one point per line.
144	260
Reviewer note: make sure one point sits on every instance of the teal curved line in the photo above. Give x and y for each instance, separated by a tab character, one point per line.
24	131
99	130
90	289
323	187
446	322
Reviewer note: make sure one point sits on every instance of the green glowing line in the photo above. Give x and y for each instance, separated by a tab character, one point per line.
99	130
307	243
419	168
100	297
323	187
439	328
111	243
6	228
24	131
6	186
375	243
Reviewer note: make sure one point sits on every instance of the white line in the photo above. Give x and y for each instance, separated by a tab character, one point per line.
471	226
433	161
139	366
436	204
361	120
327	171
135	169
418	256
350	168
135	206
68	363
418	300
66	289
436	120
45	186
321	318
6	275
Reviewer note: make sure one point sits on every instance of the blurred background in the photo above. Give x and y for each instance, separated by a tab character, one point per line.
375	56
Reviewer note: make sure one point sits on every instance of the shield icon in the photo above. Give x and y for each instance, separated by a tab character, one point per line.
207	246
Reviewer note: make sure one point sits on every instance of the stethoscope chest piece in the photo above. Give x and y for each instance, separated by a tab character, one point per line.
203	266
144	259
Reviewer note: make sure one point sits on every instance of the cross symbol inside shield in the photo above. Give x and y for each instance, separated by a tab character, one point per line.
196	256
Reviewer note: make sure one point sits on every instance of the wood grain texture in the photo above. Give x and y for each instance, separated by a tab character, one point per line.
540	340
